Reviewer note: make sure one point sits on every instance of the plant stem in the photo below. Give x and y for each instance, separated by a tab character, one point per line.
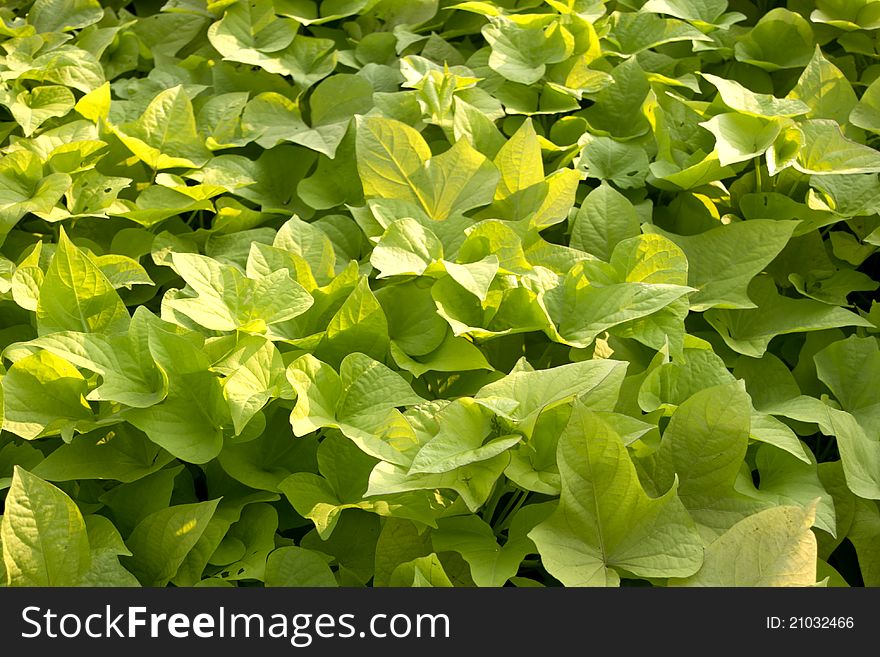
497	494
513	505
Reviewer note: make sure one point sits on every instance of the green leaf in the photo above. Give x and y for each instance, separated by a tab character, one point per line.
617	108
634	32
339	98
361	400
106	547
693	173
634	287
703	447
189	421
123	454
521	52
533	462
865	536
781	39
335	181
95	104
448	451
219	121
358	326
624	164
406	248
750	331
774	547
740	137
27	278
256	375
266	461
308	60
846	15
76	296
473	483
129	374
442	276
352	545
43	395
423	571
859	454
826	150
16	454
519	162
165	135
744	100
454	354
122	271
64	15
605	520
768	429
310	243
522	395
843	366
413	323
220	298
457	180
491	564
129	503
250	33
848	195
865	113
32	109
271	118
469	122
342	485
45	542
161	541
605	219
254	531
823	87
672	383
399	541
788	480
702	13
68	66
722	261
295	566
394	162
389	154
475	277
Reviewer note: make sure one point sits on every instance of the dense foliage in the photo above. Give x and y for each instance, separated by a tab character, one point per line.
420	293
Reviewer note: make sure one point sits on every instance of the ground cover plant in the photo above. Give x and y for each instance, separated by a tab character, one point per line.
433	293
